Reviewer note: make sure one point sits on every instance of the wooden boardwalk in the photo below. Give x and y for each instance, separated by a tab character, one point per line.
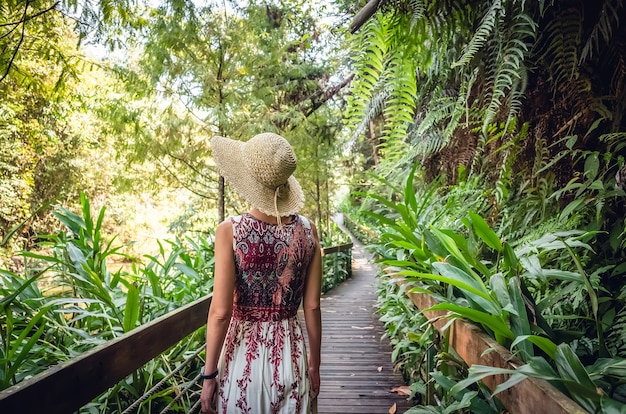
356	372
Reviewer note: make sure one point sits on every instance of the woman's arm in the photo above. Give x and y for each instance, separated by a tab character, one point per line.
312	314
221	308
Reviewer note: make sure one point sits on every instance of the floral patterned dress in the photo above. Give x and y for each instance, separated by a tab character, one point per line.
263	365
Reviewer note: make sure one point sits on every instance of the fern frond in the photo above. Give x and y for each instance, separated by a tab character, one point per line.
431	143
561	39
401	81
419	10
460	106
482	34
372	40
616	335
608	20
373	109
510	68
616	141
440	109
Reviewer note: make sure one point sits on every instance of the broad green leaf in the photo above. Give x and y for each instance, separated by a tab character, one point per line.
483	231
451	247
409	192
563	275
76	255
32	255
615	367
8	299
611	406
131	311
499	288
188	271
488	321
509	257
25	348
115	279
19	343
459	283
478	373
72	221
545	344
570	367
87	215
155	282
96	231
571	207
592	165
519	319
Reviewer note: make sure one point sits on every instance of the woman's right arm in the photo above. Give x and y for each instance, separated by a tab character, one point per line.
220	310
312	314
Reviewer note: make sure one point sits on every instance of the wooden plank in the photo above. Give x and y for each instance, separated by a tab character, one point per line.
68	386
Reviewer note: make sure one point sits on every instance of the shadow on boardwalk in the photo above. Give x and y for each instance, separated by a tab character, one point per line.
356	372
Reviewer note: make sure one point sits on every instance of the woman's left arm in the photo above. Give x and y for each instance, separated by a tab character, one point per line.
313	314
220	310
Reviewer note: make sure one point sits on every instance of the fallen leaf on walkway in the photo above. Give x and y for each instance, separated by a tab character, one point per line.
393	409
362	327
403	390
380	369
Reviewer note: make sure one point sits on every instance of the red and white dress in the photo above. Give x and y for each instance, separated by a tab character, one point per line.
263	366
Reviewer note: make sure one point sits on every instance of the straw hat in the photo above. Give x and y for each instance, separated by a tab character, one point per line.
260	171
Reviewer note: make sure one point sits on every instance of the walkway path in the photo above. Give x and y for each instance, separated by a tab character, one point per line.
356	373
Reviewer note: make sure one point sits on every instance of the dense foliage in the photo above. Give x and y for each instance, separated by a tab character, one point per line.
509	128
69	298
494	129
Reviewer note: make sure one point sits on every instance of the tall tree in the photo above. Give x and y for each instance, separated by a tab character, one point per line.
32	26
236	70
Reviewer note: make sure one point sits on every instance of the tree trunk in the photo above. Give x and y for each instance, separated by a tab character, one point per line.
220	203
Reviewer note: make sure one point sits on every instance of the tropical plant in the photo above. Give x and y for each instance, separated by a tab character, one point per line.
423	355
337	266
68	301
470	93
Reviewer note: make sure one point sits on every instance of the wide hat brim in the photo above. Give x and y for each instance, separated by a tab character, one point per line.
231	162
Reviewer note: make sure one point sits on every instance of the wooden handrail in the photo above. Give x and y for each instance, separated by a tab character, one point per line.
95	371
337	249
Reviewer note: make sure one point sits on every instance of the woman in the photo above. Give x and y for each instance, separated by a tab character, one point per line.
267	263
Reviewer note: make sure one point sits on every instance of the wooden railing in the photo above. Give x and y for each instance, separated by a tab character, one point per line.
66	387
337	249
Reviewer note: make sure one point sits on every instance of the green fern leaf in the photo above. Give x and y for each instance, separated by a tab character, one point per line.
487	25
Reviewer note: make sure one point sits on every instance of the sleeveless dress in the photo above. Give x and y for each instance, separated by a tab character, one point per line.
263	365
